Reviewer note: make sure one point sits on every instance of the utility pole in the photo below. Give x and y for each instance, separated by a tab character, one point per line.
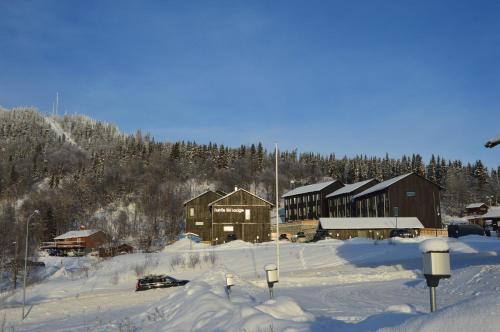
277	216
26	259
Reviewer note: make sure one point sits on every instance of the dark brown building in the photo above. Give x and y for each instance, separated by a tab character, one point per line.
243	214
340	202
82	240
308	202
476	209
199	216
411	194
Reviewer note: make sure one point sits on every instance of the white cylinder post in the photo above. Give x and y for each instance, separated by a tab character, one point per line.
271	277
436	265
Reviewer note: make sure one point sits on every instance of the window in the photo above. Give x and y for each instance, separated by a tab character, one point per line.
191	212
247	214
411	194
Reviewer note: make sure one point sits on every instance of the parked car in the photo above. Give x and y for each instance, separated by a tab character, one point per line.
402	232
321	234
463	230
158	281
231	237
300	237
283	237
55	252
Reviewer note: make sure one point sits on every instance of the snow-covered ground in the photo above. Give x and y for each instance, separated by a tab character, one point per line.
355	285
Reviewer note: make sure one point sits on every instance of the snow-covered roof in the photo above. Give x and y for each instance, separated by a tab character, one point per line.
348	188
203	193
310	188
474	205
74	234
370	223
382	185
493	212
434	245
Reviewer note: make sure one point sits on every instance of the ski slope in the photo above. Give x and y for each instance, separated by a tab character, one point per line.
355	285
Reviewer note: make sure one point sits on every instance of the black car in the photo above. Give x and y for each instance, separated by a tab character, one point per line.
283	237
158	281
402	232
231	237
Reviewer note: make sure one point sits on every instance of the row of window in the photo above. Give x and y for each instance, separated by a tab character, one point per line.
302	199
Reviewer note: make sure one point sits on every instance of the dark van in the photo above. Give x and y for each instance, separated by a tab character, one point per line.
463	230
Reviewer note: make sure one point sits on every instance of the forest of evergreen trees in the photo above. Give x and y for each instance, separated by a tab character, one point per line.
98	168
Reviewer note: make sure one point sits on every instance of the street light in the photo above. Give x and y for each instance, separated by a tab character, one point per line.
26	258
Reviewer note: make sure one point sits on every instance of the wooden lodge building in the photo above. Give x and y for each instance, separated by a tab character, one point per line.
213	216
410	194
199	216
83	240
340	202
309	202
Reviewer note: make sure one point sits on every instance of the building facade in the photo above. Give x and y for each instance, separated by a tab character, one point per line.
408	195
340	202
241	215
199	216
309	202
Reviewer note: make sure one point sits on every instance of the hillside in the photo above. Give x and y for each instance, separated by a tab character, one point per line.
78	171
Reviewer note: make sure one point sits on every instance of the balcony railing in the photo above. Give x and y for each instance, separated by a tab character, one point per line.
64	244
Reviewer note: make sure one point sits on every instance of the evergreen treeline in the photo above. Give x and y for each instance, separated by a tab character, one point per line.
132	185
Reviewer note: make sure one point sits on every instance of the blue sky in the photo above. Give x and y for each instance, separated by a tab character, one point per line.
350	77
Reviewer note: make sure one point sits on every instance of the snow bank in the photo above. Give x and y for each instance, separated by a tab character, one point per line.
185	244
476	314
434	245
202	305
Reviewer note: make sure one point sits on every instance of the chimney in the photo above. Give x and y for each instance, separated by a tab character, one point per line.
235	188
82	228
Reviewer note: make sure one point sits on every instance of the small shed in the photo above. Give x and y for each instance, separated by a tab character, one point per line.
113	250
374	228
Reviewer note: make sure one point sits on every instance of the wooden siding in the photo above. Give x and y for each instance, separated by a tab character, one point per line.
375	234
413	195
248	215
310	205
343	206
202	214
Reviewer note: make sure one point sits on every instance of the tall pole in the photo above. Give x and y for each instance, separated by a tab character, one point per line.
26	259
277	217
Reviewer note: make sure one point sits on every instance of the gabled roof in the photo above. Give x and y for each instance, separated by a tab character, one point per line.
370	223
203	193
382	185
349	188
474	205
74	234
240	189
311	188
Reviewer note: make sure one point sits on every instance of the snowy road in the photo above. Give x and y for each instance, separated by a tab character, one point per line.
356	285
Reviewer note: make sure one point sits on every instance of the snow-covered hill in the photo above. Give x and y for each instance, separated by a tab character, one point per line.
356	285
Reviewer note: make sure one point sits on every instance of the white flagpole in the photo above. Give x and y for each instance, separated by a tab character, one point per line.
277	217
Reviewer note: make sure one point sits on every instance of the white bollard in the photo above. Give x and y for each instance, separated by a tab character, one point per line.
436	265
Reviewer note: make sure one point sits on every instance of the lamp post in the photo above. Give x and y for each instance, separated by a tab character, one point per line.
26	258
